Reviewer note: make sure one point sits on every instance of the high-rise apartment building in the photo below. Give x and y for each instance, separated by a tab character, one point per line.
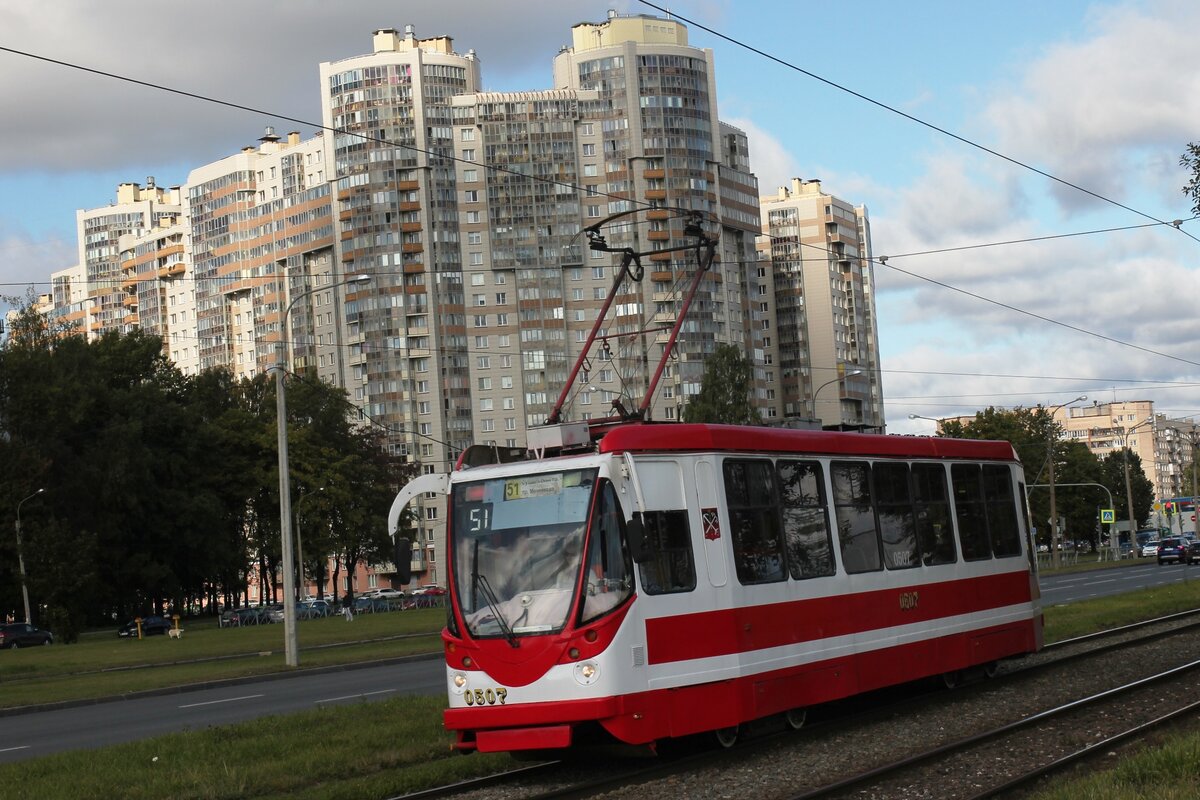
99	231
819	250
468	210
664	149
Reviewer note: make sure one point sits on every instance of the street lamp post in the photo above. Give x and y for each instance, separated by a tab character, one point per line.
935	420
1128	486
21	557
291	647
1055	556
299	548
828	383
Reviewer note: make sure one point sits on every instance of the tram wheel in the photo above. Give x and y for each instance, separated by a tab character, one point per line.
726	737
952	680
990	669
795	718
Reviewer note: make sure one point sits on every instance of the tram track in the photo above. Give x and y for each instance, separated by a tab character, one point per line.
1097	722
611	778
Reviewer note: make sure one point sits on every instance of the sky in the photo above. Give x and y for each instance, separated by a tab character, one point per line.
958	125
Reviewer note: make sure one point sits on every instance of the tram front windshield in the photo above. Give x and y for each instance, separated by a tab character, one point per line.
518	543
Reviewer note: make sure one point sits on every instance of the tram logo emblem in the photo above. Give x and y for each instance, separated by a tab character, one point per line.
712	523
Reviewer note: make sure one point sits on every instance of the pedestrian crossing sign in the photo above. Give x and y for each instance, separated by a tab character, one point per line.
1107	516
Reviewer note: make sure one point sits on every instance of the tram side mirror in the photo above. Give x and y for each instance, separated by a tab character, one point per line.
402	558
635	534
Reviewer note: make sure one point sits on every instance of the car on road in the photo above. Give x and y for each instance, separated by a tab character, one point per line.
151	626
1173	549
16	635
1149	549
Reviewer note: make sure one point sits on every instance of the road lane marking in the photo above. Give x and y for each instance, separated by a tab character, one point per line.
10	749
352	696
229	700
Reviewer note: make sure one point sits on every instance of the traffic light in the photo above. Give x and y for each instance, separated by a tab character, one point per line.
1169	508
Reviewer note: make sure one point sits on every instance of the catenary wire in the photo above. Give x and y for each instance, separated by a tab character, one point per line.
880	260
910	117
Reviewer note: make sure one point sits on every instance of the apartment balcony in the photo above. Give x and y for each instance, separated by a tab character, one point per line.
658	214
173	250
656	194
412	247
654	174
130	302
129	284
658	236
410	227
408	186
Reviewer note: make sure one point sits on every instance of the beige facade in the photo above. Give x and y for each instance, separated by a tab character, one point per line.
818	250
99	230
1164	445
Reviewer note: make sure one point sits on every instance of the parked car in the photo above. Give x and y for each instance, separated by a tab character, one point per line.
1193	550
1174	549
16	635
432	589
317	608
1149	549
151	626
388	594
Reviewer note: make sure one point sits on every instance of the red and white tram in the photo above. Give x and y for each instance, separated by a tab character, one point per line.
668	579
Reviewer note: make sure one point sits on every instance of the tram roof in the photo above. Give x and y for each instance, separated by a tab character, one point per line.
693	437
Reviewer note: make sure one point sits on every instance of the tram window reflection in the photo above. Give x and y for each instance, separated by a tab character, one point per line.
670	565
897	527
970	512
857	532
805	523
931	501
1001	510
754	521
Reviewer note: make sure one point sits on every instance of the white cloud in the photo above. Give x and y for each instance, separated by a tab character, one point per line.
260	55
1110	111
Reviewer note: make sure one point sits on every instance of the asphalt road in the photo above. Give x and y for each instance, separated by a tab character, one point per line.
44	732
87	726
1073	587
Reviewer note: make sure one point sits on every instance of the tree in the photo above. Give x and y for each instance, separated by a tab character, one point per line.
724	391
1191	161
1141	487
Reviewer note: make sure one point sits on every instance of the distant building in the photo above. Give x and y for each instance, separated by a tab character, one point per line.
819	249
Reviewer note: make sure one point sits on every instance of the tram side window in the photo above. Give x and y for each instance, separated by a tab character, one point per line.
669	565
935	532
1001	510
857	533
757	544
970	511
608	576
897	527
805	523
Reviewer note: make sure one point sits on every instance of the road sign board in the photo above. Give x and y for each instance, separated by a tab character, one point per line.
1107	516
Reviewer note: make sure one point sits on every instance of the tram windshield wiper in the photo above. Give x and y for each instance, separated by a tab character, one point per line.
481	583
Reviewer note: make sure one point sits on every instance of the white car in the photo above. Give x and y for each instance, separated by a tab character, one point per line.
387	594
1149	549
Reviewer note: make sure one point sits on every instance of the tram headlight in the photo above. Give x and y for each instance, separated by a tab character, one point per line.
587	673
458	683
